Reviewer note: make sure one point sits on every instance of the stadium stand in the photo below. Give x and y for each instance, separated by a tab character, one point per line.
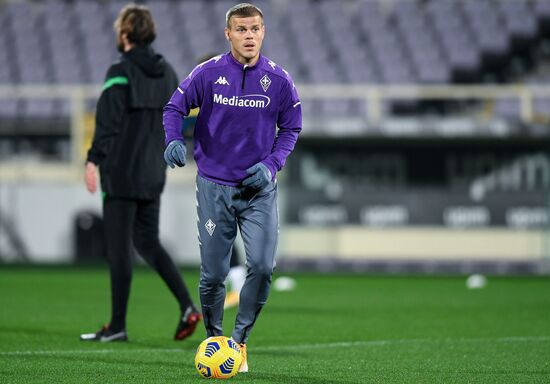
409	42
319	41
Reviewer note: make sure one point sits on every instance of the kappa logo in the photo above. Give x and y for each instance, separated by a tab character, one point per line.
265	82
222	81
210	226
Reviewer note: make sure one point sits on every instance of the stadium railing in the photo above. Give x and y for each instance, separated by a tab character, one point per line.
374	98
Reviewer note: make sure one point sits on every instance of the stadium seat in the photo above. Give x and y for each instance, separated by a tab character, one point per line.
401	42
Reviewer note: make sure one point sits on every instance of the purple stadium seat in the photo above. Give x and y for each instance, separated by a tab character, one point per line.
36	108
396	42
362	74
9	108
507	109
397	73
542	8
541	109
311	108
519	19
5	70
433	73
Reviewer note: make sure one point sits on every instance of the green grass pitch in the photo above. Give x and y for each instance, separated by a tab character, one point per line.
330	329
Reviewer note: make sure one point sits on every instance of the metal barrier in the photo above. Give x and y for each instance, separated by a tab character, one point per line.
373	97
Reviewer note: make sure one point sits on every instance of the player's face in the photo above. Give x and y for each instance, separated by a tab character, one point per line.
246	36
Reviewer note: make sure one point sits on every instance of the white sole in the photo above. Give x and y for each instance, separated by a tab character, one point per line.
244	367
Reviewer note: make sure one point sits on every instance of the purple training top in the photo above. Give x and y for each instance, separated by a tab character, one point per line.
240	107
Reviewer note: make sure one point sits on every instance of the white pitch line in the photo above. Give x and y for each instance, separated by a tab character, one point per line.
342	344
367	343
89	351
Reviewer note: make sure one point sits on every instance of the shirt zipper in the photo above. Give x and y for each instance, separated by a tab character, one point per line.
245	67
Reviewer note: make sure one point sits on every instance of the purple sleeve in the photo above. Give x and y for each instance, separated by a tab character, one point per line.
289	122
185	98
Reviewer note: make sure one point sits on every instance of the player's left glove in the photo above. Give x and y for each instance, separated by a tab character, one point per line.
174	154
259	178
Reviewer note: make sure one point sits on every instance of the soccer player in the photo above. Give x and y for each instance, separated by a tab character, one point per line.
243	96
237	272
128	148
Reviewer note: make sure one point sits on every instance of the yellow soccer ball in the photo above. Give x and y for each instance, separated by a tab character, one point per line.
218	357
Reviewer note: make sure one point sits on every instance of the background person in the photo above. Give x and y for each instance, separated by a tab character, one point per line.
128	147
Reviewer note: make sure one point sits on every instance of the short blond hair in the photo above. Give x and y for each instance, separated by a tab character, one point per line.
242	10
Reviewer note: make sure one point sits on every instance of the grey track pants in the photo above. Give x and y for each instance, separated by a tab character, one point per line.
221	209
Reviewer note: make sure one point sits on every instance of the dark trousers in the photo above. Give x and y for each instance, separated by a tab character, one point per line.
133	223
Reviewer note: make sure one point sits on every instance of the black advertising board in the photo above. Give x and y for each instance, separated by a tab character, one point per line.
377	182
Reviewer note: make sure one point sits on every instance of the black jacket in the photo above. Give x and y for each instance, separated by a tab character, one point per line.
128	143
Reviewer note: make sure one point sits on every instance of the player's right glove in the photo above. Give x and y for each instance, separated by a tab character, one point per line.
259	178
175	153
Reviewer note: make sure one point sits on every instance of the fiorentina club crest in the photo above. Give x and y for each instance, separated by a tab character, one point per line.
265	82
210	226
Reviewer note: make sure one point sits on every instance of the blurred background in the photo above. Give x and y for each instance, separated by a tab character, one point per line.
424	147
